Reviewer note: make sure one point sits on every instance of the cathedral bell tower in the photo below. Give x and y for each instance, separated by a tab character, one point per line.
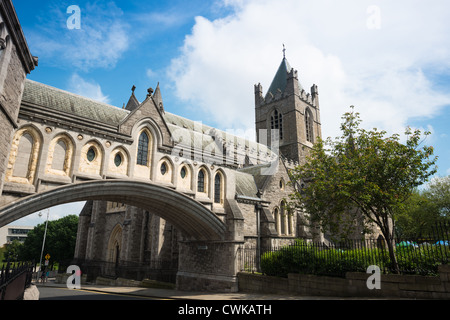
287	114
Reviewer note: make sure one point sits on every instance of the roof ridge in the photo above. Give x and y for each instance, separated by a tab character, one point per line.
76	95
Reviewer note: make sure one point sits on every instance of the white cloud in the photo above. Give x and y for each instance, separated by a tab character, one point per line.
382	72
87	89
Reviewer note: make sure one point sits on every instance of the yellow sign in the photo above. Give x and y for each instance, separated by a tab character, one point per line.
47	257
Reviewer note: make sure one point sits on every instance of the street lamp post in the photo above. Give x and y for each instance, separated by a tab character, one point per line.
43	242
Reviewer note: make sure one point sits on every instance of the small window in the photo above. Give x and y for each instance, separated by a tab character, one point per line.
163	168
183	173
91	154
118	160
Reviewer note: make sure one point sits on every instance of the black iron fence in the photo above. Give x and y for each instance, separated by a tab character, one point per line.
416	255
14	280
160	270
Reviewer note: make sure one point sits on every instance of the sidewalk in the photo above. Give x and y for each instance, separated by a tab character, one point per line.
186	295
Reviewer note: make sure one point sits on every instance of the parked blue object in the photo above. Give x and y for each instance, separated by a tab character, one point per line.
407	244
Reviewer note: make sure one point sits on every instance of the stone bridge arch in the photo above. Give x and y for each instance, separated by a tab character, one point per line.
189	216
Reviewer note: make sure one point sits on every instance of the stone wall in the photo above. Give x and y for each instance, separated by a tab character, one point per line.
207	266
354	285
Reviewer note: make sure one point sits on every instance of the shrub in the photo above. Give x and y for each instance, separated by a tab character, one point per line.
305	258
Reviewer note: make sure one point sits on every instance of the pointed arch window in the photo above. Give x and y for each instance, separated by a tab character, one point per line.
218	188
142	156
201	181
276	216
276	122
309	126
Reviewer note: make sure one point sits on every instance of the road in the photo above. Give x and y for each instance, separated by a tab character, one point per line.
54	293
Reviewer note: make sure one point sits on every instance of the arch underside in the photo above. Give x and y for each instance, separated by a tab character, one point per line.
187	215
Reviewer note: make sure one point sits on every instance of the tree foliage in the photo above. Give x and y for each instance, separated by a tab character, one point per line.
363	175
60	240
424	209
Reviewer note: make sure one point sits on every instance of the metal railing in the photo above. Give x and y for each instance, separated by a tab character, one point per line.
415	255
14	280
161	270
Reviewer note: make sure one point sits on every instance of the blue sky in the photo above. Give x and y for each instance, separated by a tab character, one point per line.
390	60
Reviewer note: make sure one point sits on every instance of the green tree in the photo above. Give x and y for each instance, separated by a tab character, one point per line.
362	176
438	192
60	240
12	251
424	209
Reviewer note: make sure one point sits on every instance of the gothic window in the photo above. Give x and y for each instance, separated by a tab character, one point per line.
24	156
142	156
309	126
276	217
201	181
276	122
218	188
283	219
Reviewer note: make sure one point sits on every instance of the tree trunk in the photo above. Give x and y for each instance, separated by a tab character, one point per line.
391	248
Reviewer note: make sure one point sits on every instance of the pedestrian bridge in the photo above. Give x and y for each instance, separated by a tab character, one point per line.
186	214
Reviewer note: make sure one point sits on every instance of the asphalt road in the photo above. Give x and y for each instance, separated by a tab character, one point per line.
53	293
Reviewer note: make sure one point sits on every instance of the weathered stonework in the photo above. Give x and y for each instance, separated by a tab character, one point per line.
15	63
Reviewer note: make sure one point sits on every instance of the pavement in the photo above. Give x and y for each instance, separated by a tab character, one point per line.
169	294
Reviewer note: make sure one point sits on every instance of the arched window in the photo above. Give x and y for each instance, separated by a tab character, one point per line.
201	181
276	216
283	219
24	156
142	155
276	122
218	188
309	126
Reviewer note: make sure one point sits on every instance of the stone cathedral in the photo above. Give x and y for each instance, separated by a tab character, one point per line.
162	191
119	233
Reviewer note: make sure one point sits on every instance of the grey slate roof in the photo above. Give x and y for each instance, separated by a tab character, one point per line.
206	136
280	79
52	98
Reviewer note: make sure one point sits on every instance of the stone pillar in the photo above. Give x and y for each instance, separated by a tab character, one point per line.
96	235
208	266
83	230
